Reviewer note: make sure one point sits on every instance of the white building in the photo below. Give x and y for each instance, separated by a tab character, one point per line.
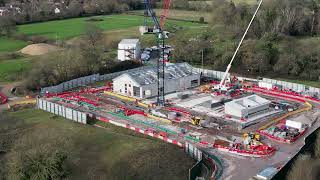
57	10
247	107
143	83
129	49
265	85
3	11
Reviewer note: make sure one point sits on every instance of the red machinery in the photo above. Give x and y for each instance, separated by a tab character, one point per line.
3	99
165	12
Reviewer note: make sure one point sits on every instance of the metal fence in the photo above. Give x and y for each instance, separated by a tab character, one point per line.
211	73
287	85
294	86
205	72
83	81
60	110
193	151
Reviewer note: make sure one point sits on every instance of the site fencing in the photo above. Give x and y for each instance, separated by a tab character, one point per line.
193	151
60	110
83	81
301	88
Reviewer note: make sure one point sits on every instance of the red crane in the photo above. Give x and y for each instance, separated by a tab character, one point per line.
165	12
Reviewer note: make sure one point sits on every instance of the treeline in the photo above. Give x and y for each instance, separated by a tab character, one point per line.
25	11
283	40
91	55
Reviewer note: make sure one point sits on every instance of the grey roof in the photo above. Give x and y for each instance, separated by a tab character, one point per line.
173	71
248	102
129	41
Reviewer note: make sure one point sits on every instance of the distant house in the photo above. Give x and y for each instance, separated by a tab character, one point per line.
3	11
57	10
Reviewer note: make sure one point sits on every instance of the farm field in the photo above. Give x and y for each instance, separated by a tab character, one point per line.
9	68
95	153
9	45
182	14
65	29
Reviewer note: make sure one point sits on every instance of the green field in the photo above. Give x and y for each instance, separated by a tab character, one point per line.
9	45
182	14
95	153
10	68
65	29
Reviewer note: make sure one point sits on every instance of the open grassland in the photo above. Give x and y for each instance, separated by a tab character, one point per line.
11	69
9	45
182	14
65	29
95	153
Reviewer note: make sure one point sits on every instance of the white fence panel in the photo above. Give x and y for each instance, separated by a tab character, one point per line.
57	109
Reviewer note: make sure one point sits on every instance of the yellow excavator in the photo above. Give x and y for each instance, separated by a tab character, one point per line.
196	120
251	138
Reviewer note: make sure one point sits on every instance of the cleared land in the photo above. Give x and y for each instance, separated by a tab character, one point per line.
95	153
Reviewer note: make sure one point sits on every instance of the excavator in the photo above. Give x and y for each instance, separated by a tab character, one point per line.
252	136
195	120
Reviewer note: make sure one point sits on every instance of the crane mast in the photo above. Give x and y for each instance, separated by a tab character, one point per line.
222	86
160	38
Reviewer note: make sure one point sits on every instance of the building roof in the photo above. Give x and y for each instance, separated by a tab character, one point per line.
129	41
248	102
149	75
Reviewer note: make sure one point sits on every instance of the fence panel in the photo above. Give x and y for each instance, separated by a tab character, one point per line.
60	110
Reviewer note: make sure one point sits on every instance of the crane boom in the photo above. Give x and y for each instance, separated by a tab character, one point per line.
239	45
165	11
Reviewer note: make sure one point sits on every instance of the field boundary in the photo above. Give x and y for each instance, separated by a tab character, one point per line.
175	19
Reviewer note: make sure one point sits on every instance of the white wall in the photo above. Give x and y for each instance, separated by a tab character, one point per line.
119	85
123	54
171	85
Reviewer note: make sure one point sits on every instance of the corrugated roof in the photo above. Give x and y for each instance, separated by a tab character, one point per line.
173	71
129	41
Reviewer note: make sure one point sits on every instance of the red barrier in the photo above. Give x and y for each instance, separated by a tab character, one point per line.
276	94
3	99
290	93
129	112
289	141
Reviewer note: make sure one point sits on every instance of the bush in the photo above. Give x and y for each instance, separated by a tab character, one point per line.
95	19
201	19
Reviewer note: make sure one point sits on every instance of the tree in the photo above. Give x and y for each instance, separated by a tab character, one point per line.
7	26
304	166
75	8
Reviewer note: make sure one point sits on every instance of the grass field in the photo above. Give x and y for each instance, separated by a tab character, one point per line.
9	45
10	68
65	29
95	153
182	14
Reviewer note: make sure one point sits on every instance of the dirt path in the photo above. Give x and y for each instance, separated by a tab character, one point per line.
5	88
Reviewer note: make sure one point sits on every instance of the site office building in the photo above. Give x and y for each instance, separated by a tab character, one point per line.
129	49
143	83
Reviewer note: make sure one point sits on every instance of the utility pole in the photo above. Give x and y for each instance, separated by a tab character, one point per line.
202	59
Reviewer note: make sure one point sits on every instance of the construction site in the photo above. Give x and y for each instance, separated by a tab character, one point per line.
229	124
